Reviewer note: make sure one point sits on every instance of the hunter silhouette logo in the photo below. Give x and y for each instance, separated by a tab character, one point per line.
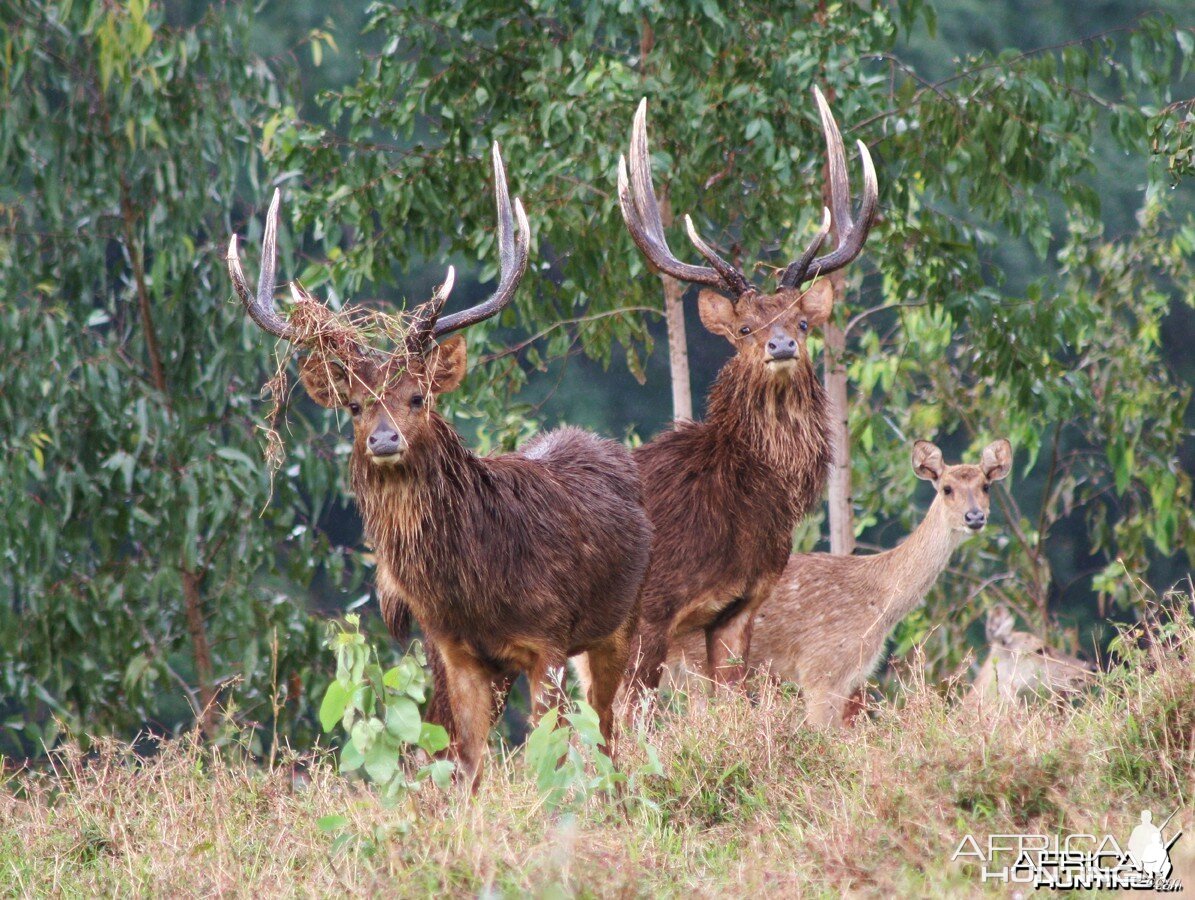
1147	849
1067	862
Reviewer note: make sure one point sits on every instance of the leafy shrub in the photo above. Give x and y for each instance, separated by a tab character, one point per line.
571	768
379	712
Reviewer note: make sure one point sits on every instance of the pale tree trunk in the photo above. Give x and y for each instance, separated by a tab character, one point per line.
842	526
678	347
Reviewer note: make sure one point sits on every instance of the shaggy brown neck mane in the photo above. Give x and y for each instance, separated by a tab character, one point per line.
398	503
772	426
745	402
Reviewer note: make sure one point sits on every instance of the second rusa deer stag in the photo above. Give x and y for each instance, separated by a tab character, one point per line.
724	495
825	626
510	563
1021	664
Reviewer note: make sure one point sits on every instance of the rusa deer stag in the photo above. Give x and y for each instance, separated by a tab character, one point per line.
825	626
724	495
1021	664
510	563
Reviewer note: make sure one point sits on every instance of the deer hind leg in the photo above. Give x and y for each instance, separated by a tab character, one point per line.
471	694
854	707
824	707
545	678
726	644
606	664
648	651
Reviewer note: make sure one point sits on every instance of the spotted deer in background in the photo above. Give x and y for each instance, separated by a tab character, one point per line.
1021	664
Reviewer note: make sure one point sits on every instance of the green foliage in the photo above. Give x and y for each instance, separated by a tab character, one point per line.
987	178
148	562
379	712
571	768
150	569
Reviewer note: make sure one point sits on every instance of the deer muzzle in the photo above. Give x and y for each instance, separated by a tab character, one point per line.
386	445
975	519
781	349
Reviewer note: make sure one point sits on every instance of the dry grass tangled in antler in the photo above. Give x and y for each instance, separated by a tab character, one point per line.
341	336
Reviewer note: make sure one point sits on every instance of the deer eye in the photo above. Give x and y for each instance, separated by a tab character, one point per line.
987	488
745	330
355	409
804	326
417	401
948	490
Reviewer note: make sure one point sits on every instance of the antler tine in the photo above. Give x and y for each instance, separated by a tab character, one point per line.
423	322
734	279
261	307
514	242
641	212
851	235
794	273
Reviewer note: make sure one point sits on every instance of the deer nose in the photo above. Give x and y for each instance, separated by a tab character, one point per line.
385	441
782	347
975	519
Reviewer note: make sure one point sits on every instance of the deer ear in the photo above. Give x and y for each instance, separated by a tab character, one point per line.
996	460
717	312
999	624
928	464
818	302
447	362
326	380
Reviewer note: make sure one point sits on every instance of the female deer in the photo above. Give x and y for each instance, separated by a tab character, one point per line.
1021	664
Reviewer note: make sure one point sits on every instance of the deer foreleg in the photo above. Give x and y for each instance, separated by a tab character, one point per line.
728	638
471	695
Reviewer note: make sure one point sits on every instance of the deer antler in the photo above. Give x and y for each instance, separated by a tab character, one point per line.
514	242
641	212
261	307
851	235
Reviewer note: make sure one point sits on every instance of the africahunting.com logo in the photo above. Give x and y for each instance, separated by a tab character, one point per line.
1068	862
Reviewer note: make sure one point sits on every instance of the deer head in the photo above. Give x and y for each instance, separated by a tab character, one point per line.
964	491
391	397
767	328
1025	664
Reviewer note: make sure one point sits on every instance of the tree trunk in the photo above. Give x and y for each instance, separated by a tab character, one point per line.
841	517
674	312
201	650
678	349
842	526
678	346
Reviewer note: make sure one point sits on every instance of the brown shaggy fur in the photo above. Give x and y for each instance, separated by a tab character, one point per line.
723	495
510	563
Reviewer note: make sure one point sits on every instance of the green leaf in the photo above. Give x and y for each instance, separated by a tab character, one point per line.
440	773
331	824
433	738
351	758
381	760
331	710
402	720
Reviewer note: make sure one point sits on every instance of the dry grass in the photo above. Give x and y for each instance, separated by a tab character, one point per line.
751	803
